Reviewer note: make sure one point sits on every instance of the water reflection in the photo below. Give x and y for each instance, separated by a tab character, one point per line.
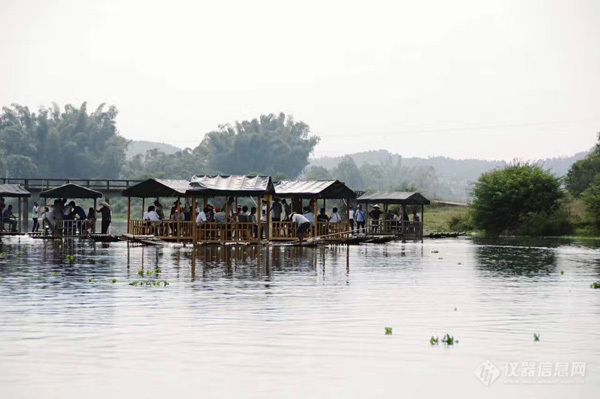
514	259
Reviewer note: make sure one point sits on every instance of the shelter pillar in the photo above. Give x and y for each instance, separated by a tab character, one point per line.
194	233
315	213
143	206
268	232
20	215
128	213
403	221
178	216
26	213
422	220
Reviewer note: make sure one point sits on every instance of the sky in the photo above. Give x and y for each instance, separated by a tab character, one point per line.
463	79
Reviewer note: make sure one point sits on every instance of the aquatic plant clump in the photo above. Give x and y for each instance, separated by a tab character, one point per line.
595	285
536	337
449	340
70	258
434	340
388	331
148	283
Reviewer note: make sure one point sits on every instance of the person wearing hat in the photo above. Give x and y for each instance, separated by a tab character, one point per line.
106	216
374	214
303	224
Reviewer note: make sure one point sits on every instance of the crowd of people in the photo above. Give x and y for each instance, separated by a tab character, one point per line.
249	220
7	217
67	218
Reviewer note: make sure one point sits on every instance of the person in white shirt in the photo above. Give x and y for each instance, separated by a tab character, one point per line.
335	216
351	218
35	212
302	223
151	215
201	218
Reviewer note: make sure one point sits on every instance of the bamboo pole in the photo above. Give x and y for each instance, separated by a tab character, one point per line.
224	237
268	232
143	206
422	220
315	206
348	214
128	213
178	216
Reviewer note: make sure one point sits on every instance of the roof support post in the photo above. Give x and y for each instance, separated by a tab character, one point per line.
26	213
315	203
178	216
20	216
194	233
143	206
224	236
268	232
403	221
128	213
422	220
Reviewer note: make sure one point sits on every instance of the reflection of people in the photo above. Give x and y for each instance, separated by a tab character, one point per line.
106	217
91	221
302	223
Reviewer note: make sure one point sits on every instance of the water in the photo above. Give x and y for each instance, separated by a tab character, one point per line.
301	323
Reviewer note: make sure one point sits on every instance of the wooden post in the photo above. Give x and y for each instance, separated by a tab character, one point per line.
315	203
26	214
422	220
259	218
224	237
268	232
19	206
178	216
128	213
403	221
194	233
143	206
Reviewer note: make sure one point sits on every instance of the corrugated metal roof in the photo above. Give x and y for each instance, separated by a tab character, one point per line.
394	197
13	190
158	188
70	190
230	185
313	188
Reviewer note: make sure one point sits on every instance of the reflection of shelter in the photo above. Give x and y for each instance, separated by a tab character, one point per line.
313	191
165	229
231	229
402	227
71	191
18	192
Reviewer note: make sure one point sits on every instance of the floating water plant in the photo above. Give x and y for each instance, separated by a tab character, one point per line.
434	340
114	280
149	273
165	283
2	254
55	273
70	258
459	263
435	251
448	339
141	272
536	337
388	331
157	271
562	272
90	280
134	283
595	285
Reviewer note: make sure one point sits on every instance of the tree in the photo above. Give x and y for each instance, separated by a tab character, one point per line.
347	172
591	198
269	145
509	200
583	172
55	143
318	173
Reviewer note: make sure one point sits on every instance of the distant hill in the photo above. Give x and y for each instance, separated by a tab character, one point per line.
448	178
140	147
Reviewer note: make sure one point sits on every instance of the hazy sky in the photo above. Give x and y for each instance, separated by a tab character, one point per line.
481	79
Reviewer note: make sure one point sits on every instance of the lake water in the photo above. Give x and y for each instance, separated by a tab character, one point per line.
300	322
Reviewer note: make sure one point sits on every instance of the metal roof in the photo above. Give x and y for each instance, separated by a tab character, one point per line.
239	186
157	188
313	188
13	190
70	190
394	197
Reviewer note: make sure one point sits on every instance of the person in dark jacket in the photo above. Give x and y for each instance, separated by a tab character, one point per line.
106	216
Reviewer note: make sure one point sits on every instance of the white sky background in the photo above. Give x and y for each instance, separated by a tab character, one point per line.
465	79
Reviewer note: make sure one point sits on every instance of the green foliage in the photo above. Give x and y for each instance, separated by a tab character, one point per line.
269	145
348	172
449	340
434	340
388	330
536	337
591	198
70	258
55	143
318	173
506	200
583	172
595	285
